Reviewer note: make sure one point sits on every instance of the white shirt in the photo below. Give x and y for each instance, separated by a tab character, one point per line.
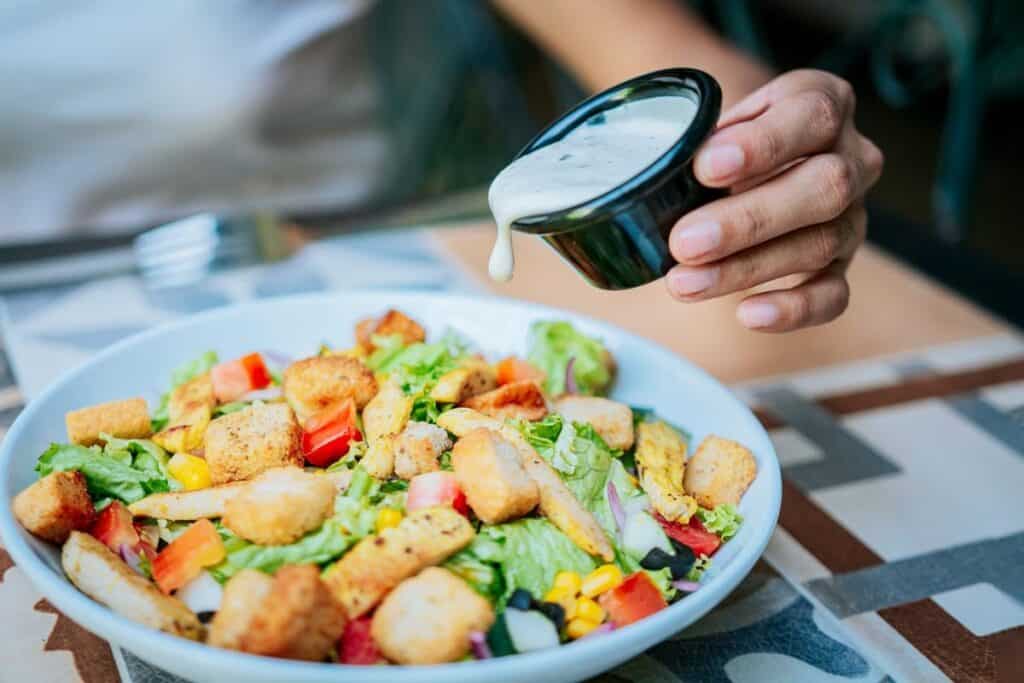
117	114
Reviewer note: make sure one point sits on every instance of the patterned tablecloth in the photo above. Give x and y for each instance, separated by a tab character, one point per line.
900	549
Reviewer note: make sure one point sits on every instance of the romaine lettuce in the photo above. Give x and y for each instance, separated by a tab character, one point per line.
119	474
724	520
416	368
553	344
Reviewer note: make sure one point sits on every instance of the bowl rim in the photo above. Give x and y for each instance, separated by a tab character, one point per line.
672	162
99	619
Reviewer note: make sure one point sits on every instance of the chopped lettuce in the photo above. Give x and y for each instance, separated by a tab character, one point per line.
181	374
145	456
553	344
724	520
700	565
416	368
484	577
120	474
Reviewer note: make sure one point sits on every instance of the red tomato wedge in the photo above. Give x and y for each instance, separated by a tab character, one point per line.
328	434
514	369
693	535
357	645
236	378
635	598
186	556
114	527
435	488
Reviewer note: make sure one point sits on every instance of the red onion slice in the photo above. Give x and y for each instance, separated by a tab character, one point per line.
130	557
271	393
615	503
570	377
606	627
686	586
478	642
277	358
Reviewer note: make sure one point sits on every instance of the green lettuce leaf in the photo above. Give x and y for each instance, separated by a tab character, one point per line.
146	456
108	476
724	520
553	344
484	577
416	368
181	374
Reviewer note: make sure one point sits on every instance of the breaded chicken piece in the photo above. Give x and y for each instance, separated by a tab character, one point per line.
491	475
474	377
720	471
384	417
189	411
312	384
55	506
379	459
244	595
187	397
208	503
391	323
660	462
105	578
280	506
612	420
380	562
240	445
428	619
418	448
519	400
557	502
128	419
298	618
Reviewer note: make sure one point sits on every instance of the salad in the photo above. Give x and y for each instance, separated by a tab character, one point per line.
397	502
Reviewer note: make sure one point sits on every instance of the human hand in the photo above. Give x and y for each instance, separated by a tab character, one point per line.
797	171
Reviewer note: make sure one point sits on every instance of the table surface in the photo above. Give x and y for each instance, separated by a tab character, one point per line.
900	429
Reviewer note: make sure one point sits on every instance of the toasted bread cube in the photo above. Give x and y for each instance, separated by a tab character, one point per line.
428	619
473	378
491	475
418	449
244	595
661	463
240	445
391	323
520	400
55	506
128	419
312	384
380	562
187	397
379	460
208	503
720	471
612	420
387	412
105	578
299	617
280	506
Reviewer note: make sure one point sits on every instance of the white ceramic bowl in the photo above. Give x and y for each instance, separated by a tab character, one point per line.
648	376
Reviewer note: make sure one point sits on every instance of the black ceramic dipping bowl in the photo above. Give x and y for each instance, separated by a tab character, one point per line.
619	239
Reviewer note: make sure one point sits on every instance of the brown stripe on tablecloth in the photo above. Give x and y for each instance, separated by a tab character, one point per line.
1008	647
91	654
5	563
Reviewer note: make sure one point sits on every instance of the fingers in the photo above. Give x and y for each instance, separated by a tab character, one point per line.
817	301
808	250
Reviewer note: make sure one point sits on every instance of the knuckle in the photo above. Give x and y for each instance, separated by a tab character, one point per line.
839	182
770	148
751	226
799	306
826	112
826	245
845	93
874	160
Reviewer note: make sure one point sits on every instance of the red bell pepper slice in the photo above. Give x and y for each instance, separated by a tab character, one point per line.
435	488
632	600
357	645
186	556
692	535
236	378
513	369
329	434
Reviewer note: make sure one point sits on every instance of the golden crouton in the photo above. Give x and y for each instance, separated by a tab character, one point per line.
380	562
208	503
240	445
612	420
312	384
719	472
522	400
473	378
280	506
105	578
379	459
244	595
55	506
557	502
418	448
391	323
387	413
491	475
660	462
128	419
428	619
298	619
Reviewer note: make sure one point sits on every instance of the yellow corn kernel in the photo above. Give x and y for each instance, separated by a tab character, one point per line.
569	581
388	518
602	579
633	480
578	627
562	596
589	610
191	471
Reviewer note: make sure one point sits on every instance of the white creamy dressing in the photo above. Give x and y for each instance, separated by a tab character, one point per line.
592	159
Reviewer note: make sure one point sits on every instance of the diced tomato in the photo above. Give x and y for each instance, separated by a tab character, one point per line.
435	488
693	535
186	556
357	645
114	527
514	369
328	434
236	378
632	600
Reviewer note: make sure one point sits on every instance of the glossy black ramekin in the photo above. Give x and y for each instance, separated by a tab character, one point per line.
620	239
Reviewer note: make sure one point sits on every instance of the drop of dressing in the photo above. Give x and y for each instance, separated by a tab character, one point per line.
591	160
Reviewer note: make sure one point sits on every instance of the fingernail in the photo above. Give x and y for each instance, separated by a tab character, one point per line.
722	161
688	282
698	239
755	315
